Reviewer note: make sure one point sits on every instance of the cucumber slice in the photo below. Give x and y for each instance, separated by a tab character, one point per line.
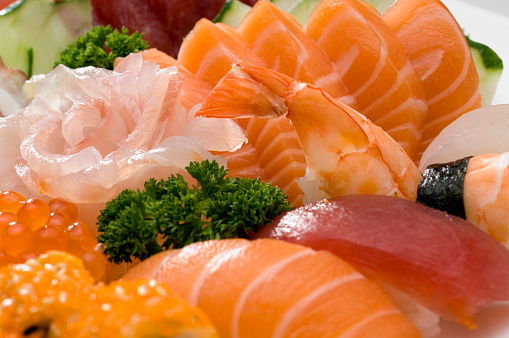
232	13
286	5
34	32
489	67
381	5
302	11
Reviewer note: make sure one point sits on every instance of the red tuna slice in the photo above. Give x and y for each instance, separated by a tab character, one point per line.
443	261
164	22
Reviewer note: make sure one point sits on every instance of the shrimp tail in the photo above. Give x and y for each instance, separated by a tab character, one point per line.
245	96
343	149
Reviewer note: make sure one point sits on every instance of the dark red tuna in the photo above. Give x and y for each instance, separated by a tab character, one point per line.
164	22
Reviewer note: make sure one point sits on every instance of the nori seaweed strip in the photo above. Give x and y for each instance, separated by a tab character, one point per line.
442	187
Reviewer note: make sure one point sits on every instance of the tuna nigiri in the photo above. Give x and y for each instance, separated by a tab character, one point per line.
270	288
373	66
443	261
439	52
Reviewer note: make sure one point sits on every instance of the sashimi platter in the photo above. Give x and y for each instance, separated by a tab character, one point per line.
254	168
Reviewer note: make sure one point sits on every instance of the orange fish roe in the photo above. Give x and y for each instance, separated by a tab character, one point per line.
32	227
55	296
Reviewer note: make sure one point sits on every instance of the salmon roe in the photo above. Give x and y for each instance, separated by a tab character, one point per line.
54	296
32	227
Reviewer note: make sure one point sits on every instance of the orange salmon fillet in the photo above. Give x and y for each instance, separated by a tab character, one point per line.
273	152
374	67
441	57
280	40
269	288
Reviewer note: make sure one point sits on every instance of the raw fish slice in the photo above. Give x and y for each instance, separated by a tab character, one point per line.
373	66
441	57
280	40
11	85
270	288
193	91
443	261
272	152
478	132
346	152
209	51
278	154
90	133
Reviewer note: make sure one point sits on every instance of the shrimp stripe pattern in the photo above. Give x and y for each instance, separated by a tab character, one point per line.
344	150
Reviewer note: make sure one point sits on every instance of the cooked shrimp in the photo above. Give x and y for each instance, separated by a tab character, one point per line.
475	188
345	151
486	194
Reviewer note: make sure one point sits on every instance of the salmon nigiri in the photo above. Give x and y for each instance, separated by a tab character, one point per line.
280	40
441	57
373	66
269	288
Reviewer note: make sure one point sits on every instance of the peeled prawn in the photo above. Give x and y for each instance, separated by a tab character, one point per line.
486	194
345	152
475	188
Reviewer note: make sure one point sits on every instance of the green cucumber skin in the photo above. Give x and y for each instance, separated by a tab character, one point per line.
232	13
39	30
302	11
489	67
224	10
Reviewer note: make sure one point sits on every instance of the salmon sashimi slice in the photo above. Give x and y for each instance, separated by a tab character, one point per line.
344	151
194	90
209	51
272	152
280	40
270	288
441	57
279	154
373	66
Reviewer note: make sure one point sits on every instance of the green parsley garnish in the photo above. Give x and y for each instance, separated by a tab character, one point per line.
100	46
170	214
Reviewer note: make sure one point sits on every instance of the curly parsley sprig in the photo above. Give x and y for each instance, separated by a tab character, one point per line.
100	46
135	223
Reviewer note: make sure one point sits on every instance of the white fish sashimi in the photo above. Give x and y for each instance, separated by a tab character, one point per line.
11	96
481	131
90	133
